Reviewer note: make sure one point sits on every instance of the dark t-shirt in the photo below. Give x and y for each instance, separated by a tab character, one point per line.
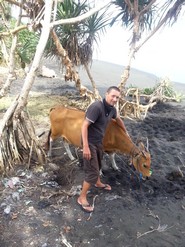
99	117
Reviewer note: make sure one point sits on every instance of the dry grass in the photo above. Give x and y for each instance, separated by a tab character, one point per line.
38	106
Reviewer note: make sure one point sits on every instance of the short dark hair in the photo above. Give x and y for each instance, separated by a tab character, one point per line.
113	88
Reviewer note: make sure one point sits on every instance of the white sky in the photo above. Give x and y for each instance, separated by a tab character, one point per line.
163	55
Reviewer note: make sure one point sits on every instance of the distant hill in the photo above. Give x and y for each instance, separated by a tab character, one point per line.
106	74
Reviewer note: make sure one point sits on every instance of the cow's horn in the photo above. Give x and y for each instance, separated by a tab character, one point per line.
147	144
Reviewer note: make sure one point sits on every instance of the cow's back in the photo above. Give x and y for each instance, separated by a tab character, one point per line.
66	123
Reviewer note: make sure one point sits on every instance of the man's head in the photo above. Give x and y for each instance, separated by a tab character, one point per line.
112	95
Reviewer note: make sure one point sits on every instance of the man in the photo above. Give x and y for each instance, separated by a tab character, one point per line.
98	114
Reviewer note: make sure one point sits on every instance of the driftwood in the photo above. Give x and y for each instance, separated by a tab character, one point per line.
135	110
162	93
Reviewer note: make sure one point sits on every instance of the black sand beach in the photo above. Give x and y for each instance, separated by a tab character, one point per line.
135	213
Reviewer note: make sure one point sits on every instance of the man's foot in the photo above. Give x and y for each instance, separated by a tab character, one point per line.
86	207
103	186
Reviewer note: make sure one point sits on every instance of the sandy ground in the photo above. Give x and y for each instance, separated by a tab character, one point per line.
37	208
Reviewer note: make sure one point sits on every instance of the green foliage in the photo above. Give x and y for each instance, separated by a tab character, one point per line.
162	88
169	91
165	88
77	39
127	14
148	91
180	97
5	11
27	42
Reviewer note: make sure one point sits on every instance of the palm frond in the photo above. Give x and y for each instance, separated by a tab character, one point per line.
77	39
127	13
27	42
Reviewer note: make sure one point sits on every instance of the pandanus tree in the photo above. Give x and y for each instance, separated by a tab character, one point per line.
76	40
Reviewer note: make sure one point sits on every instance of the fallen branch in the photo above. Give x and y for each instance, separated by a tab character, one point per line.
160	228
134	110
64	241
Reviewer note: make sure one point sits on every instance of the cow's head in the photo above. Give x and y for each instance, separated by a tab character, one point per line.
142	161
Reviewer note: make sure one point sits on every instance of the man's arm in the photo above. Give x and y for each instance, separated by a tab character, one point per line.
85	143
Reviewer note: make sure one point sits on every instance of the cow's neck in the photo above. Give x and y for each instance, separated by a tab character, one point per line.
134	151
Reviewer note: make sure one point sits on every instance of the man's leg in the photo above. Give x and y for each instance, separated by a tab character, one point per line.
99	184
82	199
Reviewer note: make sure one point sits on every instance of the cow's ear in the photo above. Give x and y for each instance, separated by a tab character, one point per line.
141	146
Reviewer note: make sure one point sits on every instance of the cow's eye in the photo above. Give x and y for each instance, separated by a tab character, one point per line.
144	165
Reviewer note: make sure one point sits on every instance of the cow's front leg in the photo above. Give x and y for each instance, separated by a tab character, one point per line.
113	162
66	145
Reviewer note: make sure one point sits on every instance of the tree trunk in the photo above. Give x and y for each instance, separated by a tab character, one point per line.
131	55
95	90
4	51
71	74
11	61
17	136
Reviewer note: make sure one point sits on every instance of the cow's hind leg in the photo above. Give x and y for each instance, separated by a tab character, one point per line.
112	161
50	147
66	145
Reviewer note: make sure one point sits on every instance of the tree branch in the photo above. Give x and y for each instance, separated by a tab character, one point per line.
80	18
129	4
14	31
147	7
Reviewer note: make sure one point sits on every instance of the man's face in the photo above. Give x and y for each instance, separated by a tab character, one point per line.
112	97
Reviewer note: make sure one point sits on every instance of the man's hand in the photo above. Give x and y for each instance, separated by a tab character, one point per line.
86	153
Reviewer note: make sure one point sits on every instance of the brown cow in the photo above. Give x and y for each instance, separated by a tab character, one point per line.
67	122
